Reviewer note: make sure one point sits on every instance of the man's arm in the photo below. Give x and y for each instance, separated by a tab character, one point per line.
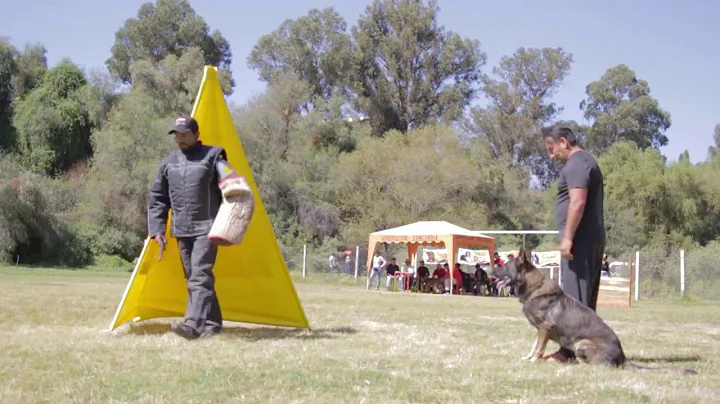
159	204
578	180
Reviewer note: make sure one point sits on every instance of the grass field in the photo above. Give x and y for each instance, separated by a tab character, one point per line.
366	347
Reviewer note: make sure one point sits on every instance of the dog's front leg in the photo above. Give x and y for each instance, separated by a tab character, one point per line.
543	336
532	350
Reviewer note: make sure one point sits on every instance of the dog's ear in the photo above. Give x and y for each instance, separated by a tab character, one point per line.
525	256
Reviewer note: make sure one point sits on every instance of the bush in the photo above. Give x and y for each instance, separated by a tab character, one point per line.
112	262
29	228
105	240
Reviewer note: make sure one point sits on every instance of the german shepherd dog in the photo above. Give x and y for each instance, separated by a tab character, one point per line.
561	318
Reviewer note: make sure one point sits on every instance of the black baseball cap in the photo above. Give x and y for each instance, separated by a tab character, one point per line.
185	124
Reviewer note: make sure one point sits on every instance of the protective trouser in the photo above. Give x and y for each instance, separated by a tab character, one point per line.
198	256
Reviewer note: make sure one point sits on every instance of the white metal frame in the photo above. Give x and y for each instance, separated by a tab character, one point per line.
525	233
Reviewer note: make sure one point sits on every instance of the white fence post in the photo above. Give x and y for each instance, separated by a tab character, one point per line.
357	261
682	272
304	258
637	275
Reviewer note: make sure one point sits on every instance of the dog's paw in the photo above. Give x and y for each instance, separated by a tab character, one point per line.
537	358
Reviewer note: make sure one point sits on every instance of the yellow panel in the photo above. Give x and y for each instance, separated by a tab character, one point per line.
253	287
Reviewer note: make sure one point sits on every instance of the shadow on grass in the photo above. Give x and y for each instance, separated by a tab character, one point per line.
254	333
666	359
265	333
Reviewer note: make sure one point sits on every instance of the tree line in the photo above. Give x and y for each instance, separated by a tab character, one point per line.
360	128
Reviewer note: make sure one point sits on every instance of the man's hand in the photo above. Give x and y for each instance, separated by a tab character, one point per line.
160	239
566	248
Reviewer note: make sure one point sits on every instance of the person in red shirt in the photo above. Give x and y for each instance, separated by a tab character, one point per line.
439	272
456	277
498	261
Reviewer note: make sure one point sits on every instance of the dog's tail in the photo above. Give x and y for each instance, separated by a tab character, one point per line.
683	371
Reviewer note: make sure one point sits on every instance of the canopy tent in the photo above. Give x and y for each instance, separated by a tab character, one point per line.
433	233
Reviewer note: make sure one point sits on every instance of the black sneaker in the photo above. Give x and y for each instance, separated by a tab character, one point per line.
184	331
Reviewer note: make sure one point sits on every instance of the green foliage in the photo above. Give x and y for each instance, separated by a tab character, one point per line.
53	123
621	108
316	47
714	149
408	70
127	151
8	69
31	66
29	229
167	28
519	94
109	241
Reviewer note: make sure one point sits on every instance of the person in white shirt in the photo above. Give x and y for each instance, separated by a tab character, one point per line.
378	264
408	268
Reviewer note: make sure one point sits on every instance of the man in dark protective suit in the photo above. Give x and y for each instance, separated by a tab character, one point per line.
579	219
187	183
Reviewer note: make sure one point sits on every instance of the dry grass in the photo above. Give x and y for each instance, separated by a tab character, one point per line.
366	347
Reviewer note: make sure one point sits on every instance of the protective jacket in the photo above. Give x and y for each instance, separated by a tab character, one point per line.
187	183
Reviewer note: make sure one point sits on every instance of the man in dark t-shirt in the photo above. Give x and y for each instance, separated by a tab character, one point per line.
391	269
422	273
578	217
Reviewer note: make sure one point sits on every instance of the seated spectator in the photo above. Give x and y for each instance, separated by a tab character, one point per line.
468	281
421	275
410	271
498	261
481	279
456	277
392	269
499	278
496	275
439	272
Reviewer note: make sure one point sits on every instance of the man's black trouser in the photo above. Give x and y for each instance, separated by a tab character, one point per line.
198	256
580	277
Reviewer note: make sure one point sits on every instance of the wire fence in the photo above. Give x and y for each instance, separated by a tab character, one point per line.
656	273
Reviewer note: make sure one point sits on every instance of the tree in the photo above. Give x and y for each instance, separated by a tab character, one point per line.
8	69
634	178
520	103
315	47
169	27
715	148
690	209
290	156
127	151
20	73
31	67
175	81
425	174
409	71
624	228
621	108
52	122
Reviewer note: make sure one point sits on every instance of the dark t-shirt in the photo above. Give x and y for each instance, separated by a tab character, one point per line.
423	271
391	269
581	171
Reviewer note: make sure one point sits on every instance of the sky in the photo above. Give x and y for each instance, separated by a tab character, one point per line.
666	42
